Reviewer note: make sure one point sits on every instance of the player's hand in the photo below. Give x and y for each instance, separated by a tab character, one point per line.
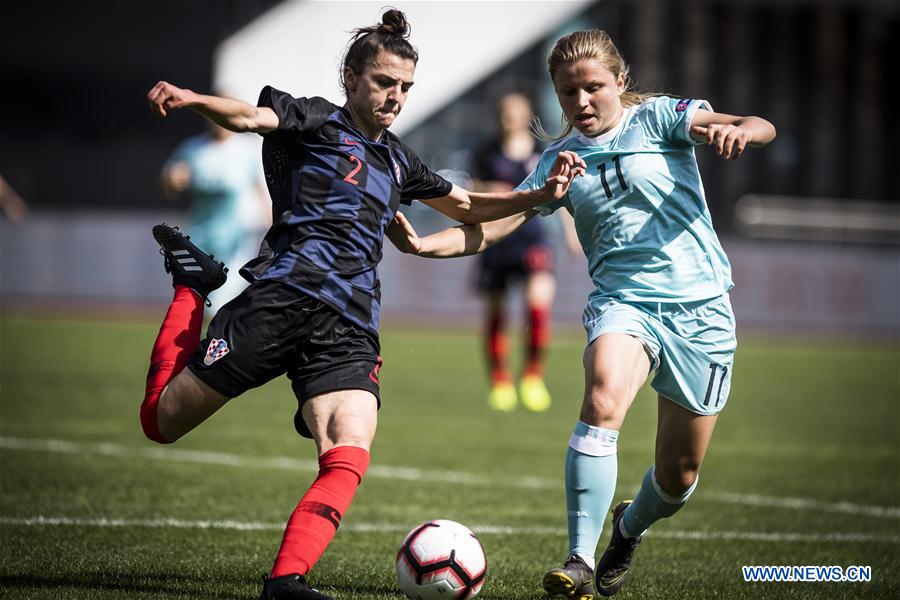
165	97
176	179
403	236
567	166
729	140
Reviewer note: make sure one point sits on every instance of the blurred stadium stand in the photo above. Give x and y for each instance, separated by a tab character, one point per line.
449	63
78	143
75	130
101	262
818	219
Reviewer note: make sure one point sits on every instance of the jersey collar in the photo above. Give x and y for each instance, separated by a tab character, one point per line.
603	138
348	120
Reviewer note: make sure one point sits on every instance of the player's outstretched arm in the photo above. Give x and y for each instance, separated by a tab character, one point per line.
454	241
730	134
470	207
232	114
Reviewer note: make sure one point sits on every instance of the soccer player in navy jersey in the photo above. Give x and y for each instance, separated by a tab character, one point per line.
526	255
337	178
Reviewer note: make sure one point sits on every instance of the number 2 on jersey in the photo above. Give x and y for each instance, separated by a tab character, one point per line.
349	176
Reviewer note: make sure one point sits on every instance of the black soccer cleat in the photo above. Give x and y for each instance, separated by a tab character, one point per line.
188	264
616	560
574	580
289	587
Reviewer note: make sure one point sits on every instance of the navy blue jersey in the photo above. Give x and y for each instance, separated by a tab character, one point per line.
334	193
490	164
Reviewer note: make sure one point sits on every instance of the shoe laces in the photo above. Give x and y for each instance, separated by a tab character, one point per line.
166	264
576	562
622	552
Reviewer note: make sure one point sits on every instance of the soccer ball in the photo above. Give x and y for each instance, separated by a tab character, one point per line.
439	560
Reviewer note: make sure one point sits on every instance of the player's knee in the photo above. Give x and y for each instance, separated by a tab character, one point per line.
676	475
541	289
604	403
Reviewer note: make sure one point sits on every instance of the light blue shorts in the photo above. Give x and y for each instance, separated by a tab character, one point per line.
691	345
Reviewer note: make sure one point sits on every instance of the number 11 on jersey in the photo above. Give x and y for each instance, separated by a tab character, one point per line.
619	175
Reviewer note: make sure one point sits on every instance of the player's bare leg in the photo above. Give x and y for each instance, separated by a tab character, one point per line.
616	366
194	275
185	403
682	438
540	287
343	425
342	418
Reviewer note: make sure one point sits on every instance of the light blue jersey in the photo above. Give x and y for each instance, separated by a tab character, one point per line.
640	211
658	269
224	176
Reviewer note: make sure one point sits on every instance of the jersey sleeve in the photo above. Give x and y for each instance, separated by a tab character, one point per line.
421	183
673	117
295	115
535	180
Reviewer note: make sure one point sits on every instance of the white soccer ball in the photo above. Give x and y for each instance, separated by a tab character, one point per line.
439	560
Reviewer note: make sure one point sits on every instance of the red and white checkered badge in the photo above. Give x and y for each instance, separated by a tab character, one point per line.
217	349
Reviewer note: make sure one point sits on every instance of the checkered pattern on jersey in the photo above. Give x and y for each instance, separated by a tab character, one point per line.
334	193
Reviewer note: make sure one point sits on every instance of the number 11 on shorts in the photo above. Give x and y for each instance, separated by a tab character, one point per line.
721	371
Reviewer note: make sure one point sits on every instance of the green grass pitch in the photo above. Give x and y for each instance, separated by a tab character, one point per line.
804	469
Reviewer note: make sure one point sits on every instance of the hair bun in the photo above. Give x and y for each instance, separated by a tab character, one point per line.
393	22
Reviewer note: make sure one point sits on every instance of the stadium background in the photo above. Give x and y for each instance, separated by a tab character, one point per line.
812	225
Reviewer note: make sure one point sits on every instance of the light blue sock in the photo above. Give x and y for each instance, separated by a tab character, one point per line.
651	504
591	466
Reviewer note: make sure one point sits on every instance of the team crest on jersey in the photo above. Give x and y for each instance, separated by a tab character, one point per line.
682	104
217	349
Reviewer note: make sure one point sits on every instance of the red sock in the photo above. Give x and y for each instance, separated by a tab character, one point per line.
539	326
316	518
497	346
177	339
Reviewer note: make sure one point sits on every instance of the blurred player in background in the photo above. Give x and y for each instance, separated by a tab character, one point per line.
499	166
336	177
218	174
661	297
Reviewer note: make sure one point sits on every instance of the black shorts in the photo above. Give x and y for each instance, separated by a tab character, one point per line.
498	271
271	329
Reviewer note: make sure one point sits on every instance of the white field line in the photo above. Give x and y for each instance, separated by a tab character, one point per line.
269	462
753	536
887	512
413	474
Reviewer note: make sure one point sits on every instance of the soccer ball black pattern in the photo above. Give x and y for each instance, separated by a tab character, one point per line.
440	560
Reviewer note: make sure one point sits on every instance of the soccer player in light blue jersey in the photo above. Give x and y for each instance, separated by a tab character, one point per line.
660	301
219	176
